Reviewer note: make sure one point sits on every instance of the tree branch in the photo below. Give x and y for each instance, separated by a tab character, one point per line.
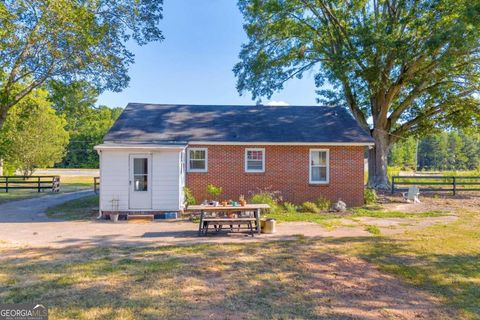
428	113
392	119
353	105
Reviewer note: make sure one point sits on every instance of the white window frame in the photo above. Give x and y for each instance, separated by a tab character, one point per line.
188	160
327	181
246	160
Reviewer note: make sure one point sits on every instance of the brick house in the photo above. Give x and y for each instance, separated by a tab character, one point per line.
303	152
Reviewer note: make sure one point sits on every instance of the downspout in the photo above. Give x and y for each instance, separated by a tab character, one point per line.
99	196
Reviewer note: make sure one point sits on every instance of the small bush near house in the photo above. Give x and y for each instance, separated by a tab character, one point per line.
370	196
310	207
214	191
323	204
267	198
290	207
189	198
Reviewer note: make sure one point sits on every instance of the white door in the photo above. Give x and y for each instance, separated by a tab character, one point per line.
140	181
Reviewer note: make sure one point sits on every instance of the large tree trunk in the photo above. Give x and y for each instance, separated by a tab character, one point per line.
377	161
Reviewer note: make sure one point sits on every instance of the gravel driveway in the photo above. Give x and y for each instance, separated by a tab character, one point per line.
32	210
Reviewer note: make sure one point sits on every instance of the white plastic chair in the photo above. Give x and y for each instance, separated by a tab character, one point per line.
412	194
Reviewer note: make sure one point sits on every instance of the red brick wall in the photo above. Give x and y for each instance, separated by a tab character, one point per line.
286	170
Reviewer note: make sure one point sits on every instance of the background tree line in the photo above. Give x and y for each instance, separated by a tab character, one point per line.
447	150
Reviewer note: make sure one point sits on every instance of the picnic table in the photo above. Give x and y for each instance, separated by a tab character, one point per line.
219	216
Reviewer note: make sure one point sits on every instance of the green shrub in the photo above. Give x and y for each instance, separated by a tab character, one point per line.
370	196
267	198
214	191
290	207
372	229
310	207
189	198
323	204
9	169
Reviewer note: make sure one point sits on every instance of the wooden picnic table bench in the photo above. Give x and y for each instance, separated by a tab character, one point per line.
215	216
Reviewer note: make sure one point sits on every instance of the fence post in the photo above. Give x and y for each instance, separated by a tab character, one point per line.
454	185
38	183
6	184
393	185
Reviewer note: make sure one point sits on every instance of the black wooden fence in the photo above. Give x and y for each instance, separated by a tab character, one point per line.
39	183
96	185
437	183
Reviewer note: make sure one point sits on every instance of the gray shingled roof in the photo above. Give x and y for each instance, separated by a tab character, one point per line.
162	123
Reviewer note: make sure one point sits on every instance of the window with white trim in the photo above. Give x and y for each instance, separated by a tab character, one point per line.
197	160
254	160
319	166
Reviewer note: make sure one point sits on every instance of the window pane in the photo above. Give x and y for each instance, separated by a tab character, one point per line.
254	165
319	174
197	164
140	166
323	173
319	158
197	154
140	182
255	155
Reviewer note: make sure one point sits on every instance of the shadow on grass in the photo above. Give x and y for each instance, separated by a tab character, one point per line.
305	278
453	277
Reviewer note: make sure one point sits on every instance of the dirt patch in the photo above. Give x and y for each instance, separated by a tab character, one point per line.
348	286
433	202
390	226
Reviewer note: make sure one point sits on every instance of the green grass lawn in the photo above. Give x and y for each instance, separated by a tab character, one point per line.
72	183
19	195
376	212
254	280
80	209
67	184
329	219
249	280
443	259
324	219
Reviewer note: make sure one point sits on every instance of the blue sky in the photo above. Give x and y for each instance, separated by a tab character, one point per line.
193	65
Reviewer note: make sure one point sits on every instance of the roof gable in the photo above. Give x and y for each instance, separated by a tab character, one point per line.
162	123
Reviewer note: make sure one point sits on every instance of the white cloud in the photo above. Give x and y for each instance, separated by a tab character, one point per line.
277	103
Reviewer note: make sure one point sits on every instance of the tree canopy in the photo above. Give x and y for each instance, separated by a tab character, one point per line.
34	135
409	66
70	40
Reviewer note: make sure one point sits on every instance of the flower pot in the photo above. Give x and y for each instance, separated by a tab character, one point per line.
114	217
269	226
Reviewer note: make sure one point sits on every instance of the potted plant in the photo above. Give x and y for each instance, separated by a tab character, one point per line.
242	200
214	191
